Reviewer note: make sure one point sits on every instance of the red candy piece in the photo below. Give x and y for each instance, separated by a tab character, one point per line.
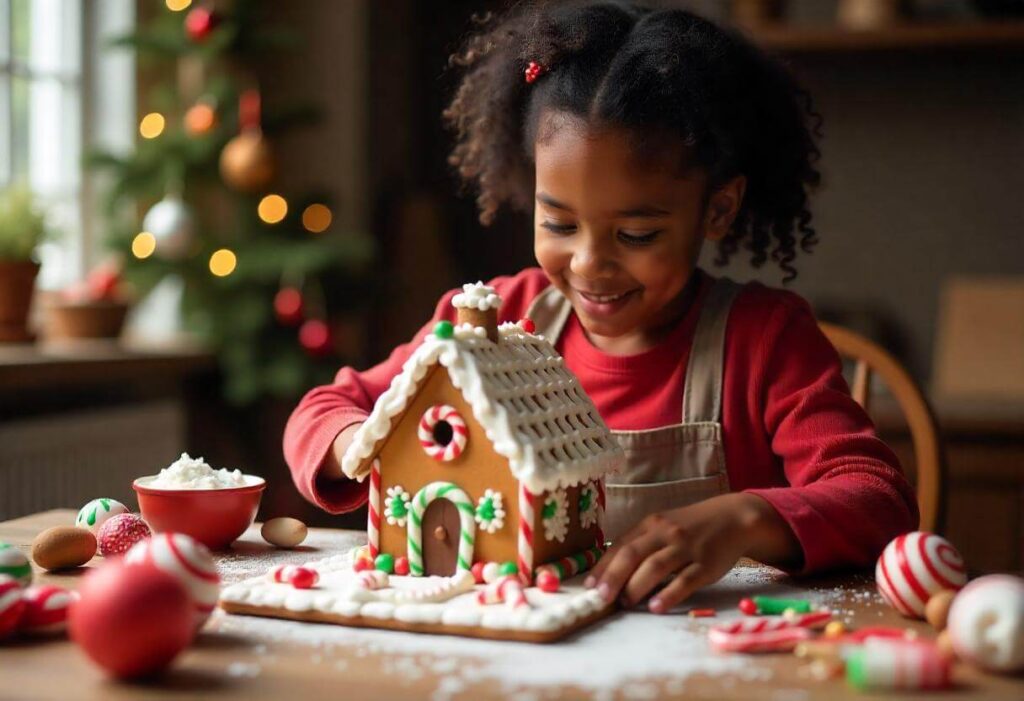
46	609
362	564
132	620
120	533
478	571
748	607
528	325
304	578
12	605
402	566
548	581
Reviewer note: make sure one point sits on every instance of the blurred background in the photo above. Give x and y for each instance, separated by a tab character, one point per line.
211	206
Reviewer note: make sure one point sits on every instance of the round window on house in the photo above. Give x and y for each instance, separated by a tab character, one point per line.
442	433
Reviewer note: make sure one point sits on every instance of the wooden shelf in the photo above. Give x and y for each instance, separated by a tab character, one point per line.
1001	36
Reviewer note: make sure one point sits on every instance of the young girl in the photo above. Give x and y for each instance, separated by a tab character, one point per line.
636	136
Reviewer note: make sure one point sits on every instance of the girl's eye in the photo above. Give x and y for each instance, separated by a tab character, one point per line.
558	228
638	239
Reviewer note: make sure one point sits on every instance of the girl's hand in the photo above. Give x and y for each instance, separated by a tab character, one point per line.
331	469
691	547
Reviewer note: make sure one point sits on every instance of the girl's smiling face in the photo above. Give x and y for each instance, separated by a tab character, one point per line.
620	234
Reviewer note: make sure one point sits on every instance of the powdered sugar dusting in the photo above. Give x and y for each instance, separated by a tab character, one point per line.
251	556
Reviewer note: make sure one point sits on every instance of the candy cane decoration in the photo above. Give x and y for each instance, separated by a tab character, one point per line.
762	624
467	529
433	416
526	517
372	579
781	640
373	521
600	514
573	564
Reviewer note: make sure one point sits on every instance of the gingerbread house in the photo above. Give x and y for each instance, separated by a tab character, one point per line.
485	448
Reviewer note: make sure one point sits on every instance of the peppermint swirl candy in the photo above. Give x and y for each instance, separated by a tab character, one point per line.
432	423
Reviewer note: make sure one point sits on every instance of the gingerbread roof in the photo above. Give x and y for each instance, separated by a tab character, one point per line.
532	408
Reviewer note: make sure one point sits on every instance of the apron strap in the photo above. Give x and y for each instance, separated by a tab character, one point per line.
549	311
702	393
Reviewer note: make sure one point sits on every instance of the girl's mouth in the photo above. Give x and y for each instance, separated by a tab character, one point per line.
596	305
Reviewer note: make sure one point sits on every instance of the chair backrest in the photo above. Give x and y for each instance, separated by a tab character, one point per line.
929	452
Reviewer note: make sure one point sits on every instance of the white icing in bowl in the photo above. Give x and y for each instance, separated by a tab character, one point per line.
194	473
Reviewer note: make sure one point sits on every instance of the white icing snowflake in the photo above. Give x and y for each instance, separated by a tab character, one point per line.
489	512
396	506
556	516
588	505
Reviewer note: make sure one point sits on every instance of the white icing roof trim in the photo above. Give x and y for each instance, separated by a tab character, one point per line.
477	296
532	408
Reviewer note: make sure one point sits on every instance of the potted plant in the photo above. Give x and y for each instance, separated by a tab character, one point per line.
94	308
22	227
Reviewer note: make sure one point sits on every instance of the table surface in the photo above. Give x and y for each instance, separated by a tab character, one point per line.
632	655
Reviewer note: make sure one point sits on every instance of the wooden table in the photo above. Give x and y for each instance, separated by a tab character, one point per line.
631	656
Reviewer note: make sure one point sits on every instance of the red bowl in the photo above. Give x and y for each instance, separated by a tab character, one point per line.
214	517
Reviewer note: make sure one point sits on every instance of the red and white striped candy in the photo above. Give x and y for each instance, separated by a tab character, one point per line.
914	567
188	561
761	624
506	590
282	574
373	579
298	577
891	664
12	605
431	417
779	640
46	609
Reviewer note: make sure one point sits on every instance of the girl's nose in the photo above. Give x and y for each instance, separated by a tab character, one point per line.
591	259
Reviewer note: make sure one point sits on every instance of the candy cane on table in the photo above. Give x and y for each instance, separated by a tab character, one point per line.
506	590
574	564
526	516
780	640
431	417
467	529
761	624
373	520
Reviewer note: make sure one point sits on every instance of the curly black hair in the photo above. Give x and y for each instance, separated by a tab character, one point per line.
667	71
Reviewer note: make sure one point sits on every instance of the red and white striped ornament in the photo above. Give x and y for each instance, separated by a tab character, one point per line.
188	561
777	640
914	567
761	624
526	517
12	605
46	609
429	421
373	517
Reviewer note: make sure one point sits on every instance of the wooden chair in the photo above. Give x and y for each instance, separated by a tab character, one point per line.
929	452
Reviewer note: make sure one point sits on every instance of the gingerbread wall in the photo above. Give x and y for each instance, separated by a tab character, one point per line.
576	540
403	462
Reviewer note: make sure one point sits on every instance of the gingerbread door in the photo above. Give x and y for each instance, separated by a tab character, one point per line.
440	537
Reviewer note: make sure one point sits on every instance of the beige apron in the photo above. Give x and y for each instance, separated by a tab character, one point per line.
670	466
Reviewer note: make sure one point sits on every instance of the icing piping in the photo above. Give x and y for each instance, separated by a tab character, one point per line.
467	529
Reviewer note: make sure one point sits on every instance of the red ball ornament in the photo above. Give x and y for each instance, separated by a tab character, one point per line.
132	620
548	581
315	337
401	566
118	534
748	606
362	564
12	605
200	22
478	571
528	325
304	578
288	306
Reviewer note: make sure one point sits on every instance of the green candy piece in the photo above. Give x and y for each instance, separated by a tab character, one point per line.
385	563
585	502
856	669
549	509
444	329
508	568
771	605
13	562
486	510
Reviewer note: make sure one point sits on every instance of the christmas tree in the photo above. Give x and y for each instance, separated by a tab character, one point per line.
196	204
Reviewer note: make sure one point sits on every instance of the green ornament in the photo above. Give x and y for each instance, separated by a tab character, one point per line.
585	502
508	568
444	329
385	563
485	510
399	508
14	562
550	507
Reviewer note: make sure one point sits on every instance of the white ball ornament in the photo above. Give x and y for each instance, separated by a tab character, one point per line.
914	567
171	222
97	512
986	623
188	561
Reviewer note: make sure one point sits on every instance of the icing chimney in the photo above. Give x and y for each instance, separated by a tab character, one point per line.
478	305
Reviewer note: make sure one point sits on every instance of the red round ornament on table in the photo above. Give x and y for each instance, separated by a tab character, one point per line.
401	566
132	620
288	306
46	609
12	605
118	534
200	22
315	337
548	581
189	561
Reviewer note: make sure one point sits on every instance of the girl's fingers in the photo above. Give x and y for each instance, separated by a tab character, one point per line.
652	572
622	562
598	570
693	577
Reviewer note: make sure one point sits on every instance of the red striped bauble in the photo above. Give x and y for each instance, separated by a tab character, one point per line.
914	567
12	605
46	609
188	561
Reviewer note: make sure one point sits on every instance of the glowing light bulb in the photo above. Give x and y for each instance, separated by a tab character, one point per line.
316	218
143	245
152	125
223	262
177	5
272	209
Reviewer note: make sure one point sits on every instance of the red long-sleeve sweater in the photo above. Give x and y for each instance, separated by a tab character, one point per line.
792	433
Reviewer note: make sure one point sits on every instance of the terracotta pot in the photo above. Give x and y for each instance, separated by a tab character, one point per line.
66	320
17	283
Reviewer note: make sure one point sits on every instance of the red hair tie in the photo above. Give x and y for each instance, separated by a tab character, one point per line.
533	71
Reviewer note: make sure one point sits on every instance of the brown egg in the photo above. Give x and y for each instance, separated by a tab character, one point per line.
62	547
284	532
936	611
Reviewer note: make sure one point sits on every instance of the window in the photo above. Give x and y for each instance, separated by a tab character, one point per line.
63	91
